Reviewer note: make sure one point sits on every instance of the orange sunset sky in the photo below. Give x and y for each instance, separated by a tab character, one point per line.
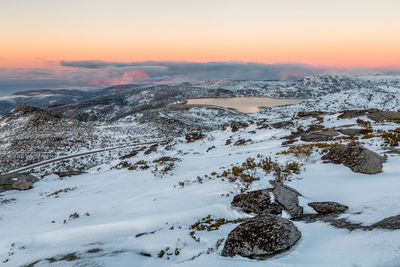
341	33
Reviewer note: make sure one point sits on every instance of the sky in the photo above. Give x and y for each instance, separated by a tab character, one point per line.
38	36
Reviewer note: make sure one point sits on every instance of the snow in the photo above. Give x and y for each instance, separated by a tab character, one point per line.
119	209
123	203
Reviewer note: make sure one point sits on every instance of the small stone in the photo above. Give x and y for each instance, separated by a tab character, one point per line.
21	185
328	207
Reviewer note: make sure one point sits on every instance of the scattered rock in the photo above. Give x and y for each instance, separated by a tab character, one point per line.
390	223
333	220
16	181
310	114
288	198
356	157
241	142
152	148
194	136
259	201
262	124
282	124
288	142
327	207
210	148
319	136
68	173
236	125
315	128
261	237
132	154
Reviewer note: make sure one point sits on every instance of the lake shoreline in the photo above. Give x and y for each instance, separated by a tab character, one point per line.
243	105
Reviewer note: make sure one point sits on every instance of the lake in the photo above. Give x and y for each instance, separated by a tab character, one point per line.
243	104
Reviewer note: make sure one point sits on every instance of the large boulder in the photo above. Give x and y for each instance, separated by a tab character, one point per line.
261	237
356	157
349	114
385	115
319	136
288	198
327	207
16	181
259	201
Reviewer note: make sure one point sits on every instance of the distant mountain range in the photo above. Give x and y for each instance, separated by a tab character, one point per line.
115	102
45	98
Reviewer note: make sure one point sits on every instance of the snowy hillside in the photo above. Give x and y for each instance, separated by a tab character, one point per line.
169	203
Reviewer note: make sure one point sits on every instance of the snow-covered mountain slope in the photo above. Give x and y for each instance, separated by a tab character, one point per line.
142	209
142	205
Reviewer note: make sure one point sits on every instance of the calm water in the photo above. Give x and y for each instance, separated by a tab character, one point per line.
244	104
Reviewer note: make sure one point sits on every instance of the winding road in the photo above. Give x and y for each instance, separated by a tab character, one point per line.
42	163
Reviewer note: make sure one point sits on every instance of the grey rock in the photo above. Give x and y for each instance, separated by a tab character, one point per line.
384	115
310	114
261	237
319	136
390	223
349	131
282	124
258	201
236	125
21	185
288	198
356	157
194	136
68	173
349	114
328	207
16	181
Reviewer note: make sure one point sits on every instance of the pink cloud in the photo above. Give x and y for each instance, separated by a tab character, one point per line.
125	78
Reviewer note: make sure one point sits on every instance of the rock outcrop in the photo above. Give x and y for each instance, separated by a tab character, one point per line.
356	157
261	237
